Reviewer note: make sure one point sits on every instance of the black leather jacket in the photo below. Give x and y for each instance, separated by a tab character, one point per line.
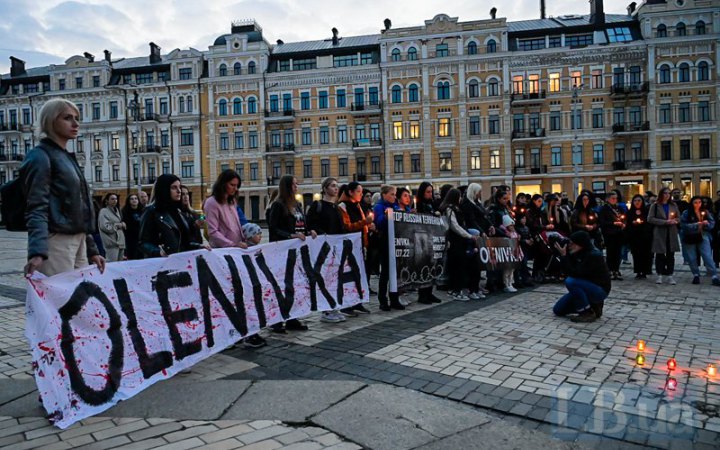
58	198
160	228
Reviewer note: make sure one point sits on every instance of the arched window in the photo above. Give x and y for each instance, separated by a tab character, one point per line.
472	48
412	54
237	106
252	103
661	31
703	71
664	73
189	104
396	54
443	90
413	94
684	73
493	88
699	27
474	89
491	46
396	94
237	68
223	70
222	107
251	67
681	29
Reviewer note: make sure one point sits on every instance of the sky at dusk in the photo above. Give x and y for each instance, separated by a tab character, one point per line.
50	31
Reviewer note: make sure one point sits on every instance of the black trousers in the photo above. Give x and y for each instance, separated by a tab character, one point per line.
665	263
642	258
613	248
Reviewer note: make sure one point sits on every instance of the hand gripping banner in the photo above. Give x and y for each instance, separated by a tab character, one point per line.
97	339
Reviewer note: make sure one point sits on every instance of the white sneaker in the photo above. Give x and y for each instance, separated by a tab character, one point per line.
659	279
459	296
510	288
671	280
332	317
476	296
404	302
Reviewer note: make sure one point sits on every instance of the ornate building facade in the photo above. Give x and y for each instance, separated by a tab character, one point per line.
597	101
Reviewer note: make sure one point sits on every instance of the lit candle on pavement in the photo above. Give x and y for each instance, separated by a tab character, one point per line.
671	364
671	384
641	346
711	370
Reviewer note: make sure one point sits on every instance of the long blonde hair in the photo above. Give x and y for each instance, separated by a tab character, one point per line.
49	112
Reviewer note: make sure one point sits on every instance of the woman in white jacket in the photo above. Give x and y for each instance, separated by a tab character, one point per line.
111	228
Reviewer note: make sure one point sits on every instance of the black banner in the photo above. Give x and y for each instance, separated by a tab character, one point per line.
500	253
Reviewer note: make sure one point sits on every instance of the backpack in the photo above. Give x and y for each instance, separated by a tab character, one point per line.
13	203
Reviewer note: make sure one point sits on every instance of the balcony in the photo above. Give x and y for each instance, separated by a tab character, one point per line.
631	127
9	127
149	117
149	149
527	98
366	109
641	164
367	144
360	177
630	89
537	133
286	115
279	149
522	170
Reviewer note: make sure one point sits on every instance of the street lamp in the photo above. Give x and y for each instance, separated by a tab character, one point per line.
576	154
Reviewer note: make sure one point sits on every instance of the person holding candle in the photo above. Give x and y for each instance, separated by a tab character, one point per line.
639	237
612	224
386	204
696	224
665	217
584	218
555	215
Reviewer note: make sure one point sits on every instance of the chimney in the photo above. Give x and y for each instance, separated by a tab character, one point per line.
335	39
17	67
108	56
597	12
542	9
154	53
493	12
89	56
280	42
631	8
387	24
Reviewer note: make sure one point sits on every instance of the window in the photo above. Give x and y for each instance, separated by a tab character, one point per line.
342	136
342	167
441	50
666	150
186	136
253	170
519	158
577	122
635	75
398	164
98	174
665	74
661	31
494	124
237	106
375	165
27	120
518	84
635	115
472	48
493	88
290	167
577	156
535	158
621	34
61	85
491	46
443	90
360	166
237	68
360	132
275	139
684	112
637	151
598	154
534	84
289	137
555	42
555	121
444	127
252	106
699	27
345	61
619	76
703	71
143	78
251	67
414	129
596	79
181	104
284	65
397	130
445	162
222	107
665	113
684	73
576	79
113	110
680	29
223	70
165	138
305	64
531	44
276	169
581	40
598	187
253	139
685	149
373	96
396	96
366	58
704	147
115	173
396	54
518	122
78	83
96	81
534	122
494	159
287	102
620	152
475	126
556	156
165	167
412	54
473	89
341	100
115	142
189	102
304	101
163	106
306	136
307	169
375	131
324	135
703	111
597	117
415	163
274	103
475	163
323	100
224	141
554	82
413	93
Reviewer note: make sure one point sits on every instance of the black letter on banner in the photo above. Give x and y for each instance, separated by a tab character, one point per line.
166	281
352	275
314	276
257	290
82	293
150	364
284	301
236	313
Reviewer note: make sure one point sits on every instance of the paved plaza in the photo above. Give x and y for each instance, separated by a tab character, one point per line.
499	373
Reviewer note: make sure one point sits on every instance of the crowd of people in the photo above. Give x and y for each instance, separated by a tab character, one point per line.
560	240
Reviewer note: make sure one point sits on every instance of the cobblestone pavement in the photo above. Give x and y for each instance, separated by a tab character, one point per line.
507	357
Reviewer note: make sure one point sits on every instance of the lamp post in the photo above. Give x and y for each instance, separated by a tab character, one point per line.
135	109
576	155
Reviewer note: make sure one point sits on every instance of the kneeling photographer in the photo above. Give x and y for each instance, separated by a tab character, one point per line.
588	278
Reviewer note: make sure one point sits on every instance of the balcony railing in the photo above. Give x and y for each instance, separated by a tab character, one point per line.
9	127
631	127
285	113
366	107
149	117
148	149
361	143
280	148
523	170
626	89
528	96
531	134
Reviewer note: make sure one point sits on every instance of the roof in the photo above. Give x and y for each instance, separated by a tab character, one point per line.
561	22
33	72
253	36
142	61
326	44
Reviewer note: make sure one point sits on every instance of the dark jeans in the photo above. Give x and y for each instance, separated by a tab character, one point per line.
665	263
613	247
458	267
384	272
581	293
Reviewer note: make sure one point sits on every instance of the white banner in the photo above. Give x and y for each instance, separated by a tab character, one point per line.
98	338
